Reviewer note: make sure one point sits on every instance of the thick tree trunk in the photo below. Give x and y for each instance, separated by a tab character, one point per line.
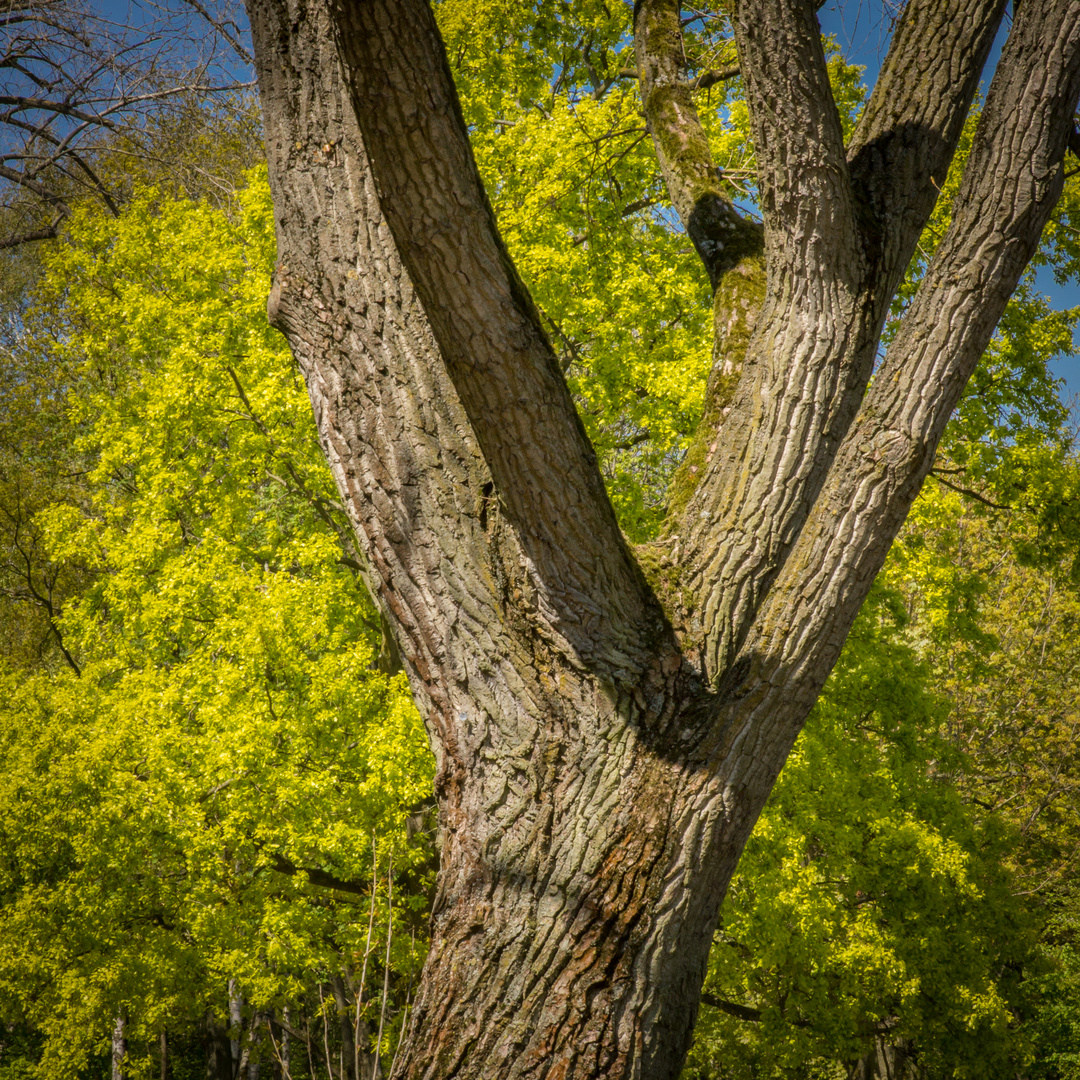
605	743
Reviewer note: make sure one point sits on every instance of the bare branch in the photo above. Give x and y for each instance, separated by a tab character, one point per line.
227	28
48	232
74	72
716	75
322	879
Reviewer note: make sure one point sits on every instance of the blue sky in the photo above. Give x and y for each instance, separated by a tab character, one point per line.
861	28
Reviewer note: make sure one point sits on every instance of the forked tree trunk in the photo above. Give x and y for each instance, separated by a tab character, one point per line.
606	733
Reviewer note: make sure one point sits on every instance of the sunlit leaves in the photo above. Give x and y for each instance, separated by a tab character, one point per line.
228	732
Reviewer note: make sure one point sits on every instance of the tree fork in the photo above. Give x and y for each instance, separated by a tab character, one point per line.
599	773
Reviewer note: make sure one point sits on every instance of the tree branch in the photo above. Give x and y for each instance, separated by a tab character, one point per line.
740	1012
812	347
37	188
720	235
716	75
968	492
488	329
48	232
1011	183
908	132
320	878
815	348
794	119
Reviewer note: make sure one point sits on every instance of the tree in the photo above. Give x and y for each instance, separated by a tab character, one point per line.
608	723
207	781
90	96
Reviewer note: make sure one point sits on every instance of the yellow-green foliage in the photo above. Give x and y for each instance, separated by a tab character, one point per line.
869	898
227	720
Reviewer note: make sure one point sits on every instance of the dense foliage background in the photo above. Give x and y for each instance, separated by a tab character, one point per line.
216	835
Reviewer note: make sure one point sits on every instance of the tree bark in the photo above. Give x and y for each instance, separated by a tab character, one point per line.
119	1047
236	1026
604	745
219	1064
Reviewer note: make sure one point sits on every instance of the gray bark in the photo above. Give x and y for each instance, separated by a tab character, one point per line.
604	748
888	1061
286	1048
236	1025
119	1047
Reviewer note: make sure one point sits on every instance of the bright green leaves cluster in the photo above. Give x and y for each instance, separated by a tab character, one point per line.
868	902
1010	439
1001	628
1008	657
512	58
228	730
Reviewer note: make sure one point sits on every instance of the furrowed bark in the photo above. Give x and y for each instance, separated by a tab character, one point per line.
595	792
812	343
1012	181
398	441
901	150
812	358
495	349
578	883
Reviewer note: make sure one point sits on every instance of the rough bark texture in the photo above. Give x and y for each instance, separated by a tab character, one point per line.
603	752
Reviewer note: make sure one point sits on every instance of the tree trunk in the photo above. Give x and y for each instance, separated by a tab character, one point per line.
284	1054
119	1047
349	1057
888	1061
236	1026
605	732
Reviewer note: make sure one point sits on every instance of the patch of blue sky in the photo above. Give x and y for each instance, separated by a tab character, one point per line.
862	29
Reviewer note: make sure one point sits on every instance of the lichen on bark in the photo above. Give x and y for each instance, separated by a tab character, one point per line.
736	305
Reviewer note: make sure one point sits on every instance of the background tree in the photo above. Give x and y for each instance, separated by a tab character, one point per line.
207	781
90	98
